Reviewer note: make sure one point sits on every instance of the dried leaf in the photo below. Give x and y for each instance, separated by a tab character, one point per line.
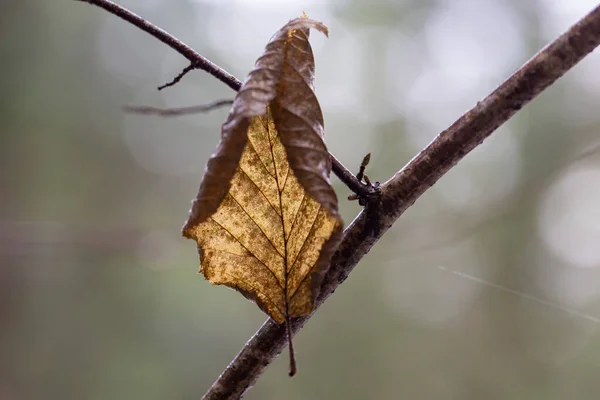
266	218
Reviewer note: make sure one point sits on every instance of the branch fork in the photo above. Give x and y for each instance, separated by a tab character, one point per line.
396	195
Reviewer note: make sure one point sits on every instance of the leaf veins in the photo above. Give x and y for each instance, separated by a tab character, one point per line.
265	217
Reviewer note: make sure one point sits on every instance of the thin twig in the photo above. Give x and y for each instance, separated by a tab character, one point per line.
407	185
176	112
178	77
348	178
195	58
363	166
199	61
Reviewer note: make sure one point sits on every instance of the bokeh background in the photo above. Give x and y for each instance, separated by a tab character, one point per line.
487	288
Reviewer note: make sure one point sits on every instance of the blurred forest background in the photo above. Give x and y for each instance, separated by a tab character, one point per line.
488	288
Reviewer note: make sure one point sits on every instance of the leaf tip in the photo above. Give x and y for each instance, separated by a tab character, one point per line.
305	21
321	27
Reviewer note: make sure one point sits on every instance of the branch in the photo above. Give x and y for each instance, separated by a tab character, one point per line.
179	77
406	186
198	61
177	112
349	179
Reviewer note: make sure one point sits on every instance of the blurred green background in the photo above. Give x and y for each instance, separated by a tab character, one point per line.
488	288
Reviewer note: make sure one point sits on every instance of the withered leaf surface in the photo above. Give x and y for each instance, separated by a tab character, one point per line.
266	218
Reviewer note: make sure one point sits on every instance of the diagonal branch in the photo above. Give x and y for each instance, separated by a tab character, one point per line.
408	184
198	61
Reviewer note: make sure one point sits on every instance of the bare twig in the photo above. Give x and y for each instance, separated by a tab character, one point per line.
176	112
363	166
349	179
196	59
178	77
408	184
199	61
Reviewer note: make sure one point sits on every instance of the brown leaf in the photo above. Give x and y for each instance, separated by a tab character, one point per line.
266	218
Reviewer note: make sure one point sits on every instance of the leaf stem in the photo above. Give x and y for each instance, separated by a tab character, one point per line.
288	326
